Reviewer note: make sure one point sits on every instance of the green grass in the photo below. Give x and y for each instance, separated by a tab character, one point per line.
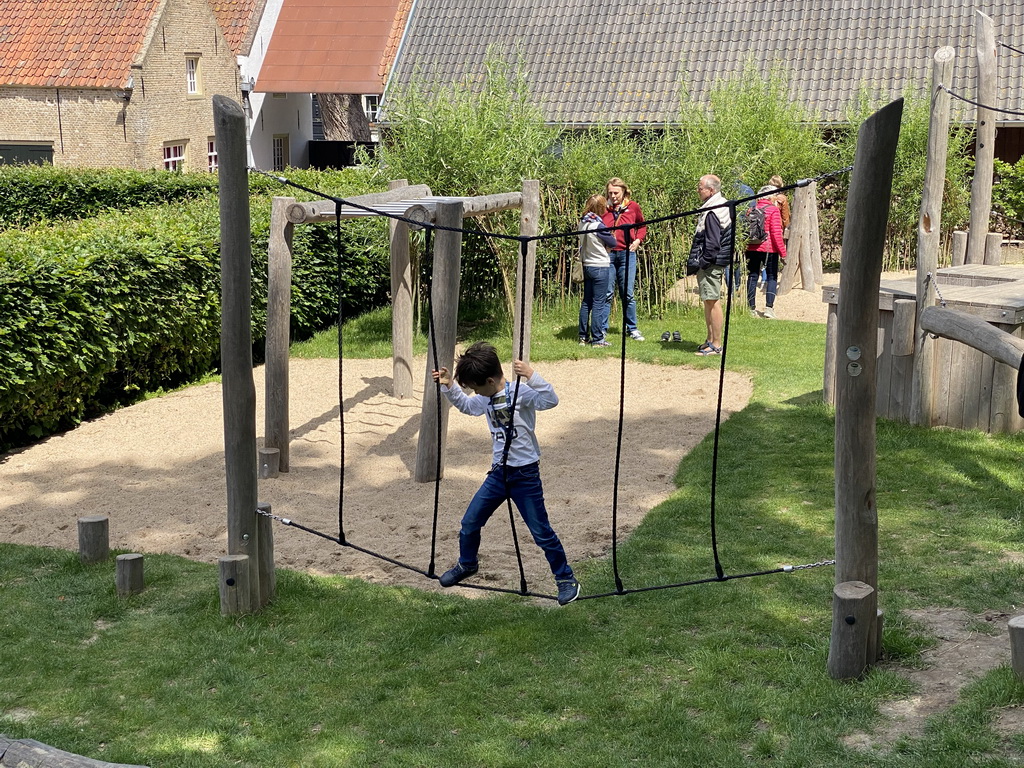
338	672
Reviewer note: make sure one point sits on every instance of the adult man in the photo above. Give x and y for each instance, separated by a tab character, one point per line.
712	243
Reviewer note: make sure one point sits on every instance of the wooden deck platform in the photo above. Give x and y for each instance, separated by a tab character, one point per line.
972	390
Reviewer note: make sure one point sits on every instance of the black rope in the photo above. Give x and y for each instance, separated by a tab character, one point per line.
980	105
428	249
341	363
623	292
1004	217
1010	47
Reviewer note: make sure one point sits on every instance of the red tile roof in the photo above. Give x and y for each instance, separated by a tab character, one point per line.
328	46
234	18
72	43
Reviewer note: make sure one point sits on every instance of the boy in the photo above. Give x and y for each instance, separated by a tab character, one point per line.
479	371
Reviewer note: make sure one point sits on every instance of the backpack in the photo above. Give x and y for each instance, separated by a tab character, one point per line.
753	224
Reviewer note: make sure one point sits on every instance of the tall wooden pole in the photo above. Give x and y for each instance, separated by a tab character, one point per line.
401	305
239	391
444	303
929	231
985	142
529	226
867	211
279	298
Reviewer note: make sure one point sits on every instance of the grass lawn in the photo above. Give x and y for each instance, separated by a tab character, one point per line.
338	672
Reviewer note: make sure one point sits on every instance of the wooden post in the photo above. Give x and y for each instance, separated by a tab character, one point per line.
958	248
985	141
904	317
235	585
1016	627
994	248
867	212
814	233
401	305
797	242
807	282
929	230
279	292
854	608
239	391
828	390
268	576
93	538
29	753
270	463
529	226
444	303
128	576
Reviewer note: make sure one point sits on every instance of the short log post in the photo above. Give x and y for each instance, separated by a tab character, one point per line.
526	270
1016	626
268	576
445	302
994	248
856	530
29	753
959	248
828	389
401	305
235	586
929	230
814	234
237	386
854	606
985	141
93	538
128	575
279	292
270	463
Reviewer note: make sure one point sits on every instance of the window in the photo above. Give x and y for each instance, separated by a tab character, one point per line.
211	154
371	106
174	156
282	154
192	82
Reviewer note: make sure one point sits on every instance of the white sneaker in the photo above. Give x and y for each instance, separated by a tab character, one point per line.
769	313
636	336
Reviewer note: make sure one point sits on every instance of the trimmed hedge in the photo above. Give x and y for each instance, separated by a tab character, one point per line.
94	313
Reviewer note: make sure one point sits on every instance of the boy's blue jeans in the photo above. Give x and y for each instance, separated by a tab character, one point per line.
524	488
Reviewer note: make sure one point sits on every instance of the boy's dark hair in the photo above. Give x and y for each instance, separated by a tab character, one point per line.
478	364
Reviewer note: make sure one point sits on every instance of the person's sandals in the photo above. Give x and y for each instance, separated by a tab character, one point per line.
676	336
704	346
666	336
708	351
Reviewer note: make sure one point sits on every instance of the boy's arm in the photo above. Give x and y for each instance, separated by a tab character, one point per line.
541	395
473	406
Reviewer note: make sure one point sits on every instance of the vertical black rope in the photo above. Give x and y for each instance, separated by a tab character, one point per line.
341	361
734	261
510	429
623	292
428	237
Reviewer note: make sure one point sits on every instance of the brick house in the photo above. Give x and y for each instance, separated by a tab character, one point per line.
98	84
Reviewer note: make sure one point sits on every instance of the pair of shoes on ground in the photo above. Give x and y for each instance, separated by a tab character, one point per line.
768	313
707	349
674	336
635	335
568	589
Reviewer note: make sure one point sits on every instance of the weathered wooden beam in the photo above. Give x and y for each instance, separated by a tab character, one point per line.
985	141
279	297
929	226
526	269
237	386
1016	627
401	305
29	753
974	332
484	204
324	210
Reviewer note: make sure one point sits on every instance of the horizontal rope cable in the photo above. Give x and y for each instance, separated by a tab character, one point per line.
980	105
1010	47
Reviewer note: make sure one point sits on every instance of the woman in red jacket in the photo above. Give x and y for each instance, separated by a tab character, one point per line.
766	254
623	211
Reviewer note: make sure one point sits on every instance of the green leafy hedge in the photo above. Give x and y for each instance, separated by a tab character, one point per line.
95	312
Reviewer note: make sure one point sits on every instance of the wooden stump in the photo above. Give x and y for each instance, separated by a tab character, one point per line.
29	753
1016	626
853	630
234	585
93	538
129	575
959	247
270	463
268	576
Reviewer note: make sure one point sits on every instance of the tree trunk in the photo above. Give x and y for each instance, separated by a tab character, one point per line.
343	116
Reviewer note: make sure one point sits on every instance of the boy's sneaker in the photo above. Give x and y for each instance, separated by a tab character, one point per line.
636	336
769	313
457	573
568	590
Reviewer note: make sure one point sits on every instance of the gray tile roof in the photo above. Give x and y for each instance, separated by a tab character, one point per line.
624	63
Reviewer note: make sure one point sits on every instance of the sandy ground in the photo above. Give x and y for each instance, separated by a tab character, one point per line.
157	468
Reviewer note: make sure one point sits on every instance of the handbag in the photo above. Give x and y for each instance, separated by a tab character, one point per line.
577	271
